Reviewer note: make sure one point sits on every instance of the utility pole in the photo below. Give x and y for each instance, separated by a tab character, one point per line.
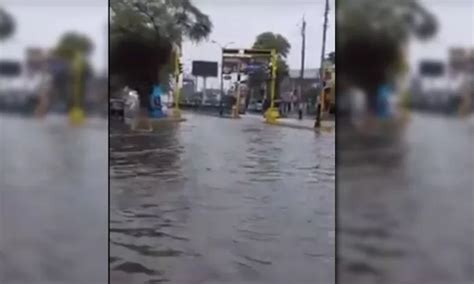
303	48
222	47
221	110
303	44
321	70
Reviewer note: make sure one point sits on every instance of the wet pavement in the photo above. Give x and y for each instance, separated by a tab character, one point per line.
53	201
217	200
407	217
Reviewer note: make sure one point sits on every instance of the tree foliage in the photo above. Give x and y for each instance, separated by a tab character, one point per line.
169	20
269	40
71	43
143	34
7	25
372	36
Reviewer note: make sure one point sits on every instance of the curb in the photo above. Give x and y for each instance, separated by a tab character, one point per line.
305	127
167	119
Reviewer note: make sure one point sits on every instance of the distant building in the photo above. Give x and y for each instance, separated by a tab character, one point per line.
293	81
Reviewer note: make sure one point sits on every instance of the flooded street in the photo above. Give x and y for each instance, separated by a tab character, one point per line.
410	220
217	200
53	201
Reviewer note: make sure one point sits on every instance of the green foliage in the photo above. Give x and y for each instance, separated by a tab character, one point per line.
372	35
399	19
269	40
155	23
169	20
7	25
71	43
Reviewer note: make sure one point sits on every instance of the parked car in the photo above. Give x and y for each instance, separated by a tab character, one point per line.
19	90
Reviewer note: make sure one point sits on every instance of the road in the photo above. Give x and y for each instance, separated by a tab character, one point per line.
53	201
409	218
217	200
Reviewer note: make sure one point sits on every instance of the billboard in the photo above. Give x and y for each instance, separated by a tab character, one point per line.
10	68
204	68
431	68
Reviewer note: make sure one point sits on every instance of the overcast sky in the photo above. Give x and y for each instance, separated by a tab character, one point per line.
42	22
240	21
456	18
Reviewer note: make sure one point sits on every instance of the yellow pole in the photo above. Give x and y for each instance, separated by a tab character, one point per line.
237	105
76	114
273	87
272	114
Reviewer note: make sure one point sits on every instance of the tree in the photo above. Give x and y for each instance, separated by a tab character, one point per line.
7	25
170	20
372	36
269	40
71	43
148	30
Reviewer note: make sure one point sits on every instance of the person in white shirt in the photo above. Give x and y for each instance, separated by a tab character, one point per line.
40	84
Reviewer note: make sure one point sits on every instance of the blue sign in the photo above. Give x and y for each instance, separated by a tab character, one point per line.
156	108
251	68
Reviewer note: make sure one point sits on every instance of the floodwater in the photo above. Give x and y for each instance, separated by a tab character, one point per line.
53	201
409	218
217	200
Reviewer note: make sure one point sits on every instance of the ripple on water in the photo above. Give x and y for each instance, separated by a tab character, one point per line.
223	200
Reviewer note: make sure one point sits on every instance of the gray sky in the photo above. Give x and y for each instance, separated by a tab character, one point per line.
241	21
42	22
456	18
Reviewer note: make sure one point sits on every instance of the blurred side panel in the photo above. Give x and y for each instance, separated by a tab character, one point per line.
405	145
53	141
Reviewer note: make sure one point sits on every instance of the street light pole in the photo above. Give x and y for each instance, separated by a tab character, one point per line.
222	47
221	111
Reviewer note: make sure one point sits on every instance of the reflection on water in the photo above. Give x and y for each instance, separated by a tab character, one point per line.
409	220
53	201
222	201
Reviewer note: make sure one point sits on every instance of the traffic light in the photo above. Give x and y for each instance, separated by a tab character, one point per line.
268	71
180	67
230	51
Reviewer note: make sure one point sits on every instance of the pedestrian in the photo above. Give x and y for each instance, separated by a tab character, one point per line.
300	110
294	100
266	105
383	100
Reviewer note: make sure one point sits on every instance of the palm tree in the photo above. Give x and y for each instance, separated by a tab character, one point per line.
7	25
372	36
269	40
148	30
